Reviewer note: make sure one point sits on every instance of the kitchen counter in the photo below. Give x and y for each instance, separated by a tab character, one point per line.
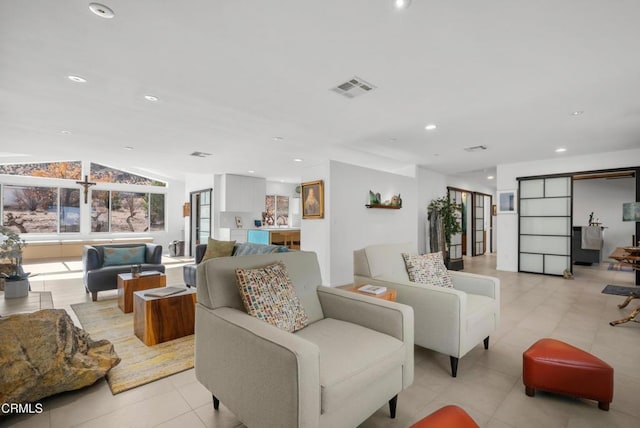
289	237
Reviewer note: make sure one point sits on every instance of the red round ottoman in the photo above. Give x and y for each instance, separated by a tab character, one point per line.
447	416
555	366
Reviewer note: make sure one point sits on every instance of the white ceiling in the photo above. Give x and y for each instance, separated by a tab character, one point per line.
231	75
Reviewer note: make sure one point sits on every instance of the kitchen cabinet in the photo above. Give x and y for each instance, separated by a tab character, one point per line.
287	237
238	235
239	193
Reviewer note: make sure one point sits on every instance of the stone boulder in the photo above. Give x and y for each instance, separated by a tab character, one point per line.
44	353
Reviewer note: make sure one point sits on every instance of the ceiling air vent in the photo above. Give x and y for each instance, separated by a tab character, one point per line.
475	149
353	87
200	154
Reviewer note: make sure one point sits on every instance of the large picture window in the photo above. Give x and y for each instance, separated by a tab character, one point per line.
126	211
31	209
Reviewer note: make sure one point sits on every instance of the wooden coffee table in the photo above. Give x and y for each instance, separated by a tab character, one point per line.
390	294
127	285
160	319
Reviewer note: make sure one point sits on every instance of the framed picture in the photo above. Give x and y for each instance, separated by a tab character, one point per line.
313	199
507	202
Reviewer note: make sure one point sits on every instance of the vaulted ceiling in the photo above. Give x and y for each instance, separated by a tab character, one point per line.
250	83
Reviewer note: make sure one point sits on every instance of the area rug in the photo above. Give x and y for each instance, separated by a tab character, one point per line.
619	290
140	364
619	266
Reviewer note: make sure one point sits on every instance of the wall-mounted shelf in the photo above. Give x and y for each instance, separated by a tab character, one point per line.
386	207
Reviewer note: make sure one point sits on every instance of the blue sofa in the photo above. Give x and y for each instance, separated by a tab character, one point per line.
98	277
241	249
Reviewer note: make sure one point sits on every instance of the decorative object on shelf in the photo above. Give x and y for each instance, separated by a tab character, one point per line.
14	278
375	201
507	201
257	223
313	200
374	198
239	222
444	222
186	209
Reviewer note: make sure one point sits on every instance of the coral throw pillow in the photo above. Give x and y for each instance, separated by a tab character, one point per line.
427	269
268	294
217	248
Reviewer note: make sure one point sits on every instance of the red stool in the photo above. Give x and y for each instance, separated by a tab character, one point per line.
448	416
555	366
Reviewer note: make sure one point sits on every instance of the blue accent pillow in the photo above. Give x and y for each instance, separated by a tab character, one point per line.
114	256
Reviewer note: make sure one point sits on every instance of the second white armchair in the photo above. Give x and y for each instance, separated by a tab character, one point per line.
448	320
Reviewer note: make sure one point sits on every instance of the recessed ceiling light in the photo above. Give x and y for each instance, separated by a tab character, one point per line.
560	150
297	160
430	127
101	10
278	138
150	98
251	171
77	79
401	4
491	177
128	148
577	113
65	132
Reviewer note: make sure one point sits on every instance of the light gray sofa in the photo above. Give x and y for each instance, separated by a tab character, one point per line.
448	320
97	277
354	356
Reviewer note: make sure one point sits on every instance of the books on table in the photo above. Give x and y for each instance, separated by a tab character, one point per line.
165	291
150	273
372	289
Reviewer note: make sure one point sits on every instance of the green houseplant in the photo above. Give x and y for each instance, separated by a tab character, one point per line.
444	222
11	248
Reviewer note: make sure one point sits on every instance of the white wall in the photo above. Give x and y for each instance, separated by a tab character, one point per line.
353	226
604	198
315	234
429	185
507	258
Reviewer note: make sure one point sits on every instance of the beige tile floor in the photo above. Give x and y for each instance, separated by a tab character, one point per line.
489	384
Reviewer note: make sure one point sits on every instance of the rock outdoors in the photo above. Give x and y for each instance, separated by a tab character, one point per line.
44	353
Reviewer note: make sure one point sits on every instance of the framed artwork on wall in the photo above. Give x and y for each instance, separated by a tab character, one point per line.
313	200
507	202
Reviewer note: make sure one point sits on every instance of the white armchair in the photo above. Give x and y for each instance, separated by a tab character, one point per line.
355	355
447	320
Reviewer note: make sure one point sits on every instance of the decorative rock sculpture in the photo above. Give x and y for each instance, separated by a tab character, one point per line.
44	353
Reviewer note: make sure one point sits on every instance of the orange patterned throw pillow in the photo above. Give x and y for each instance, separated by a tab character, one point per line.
427	269
268	294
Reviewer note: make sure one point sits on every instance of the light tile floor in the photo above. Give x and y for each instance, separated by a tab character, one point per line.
489	383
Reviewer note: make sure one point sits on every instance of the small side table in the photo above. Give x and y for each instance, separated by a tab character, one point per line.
127	284
160	319
390	294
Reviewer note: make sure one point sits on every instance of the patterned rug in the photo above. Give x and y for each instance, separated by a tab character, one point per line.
140	364
619	266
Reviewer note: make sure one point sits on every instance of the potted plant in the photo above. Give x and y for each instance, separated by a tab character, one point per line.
13	275
444	222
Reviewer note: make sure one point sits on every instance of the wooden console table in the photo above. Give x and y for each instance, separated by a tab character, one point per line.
632	260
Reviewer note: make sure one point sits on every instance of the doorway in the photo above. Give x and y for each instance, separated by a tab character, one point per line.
201	211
